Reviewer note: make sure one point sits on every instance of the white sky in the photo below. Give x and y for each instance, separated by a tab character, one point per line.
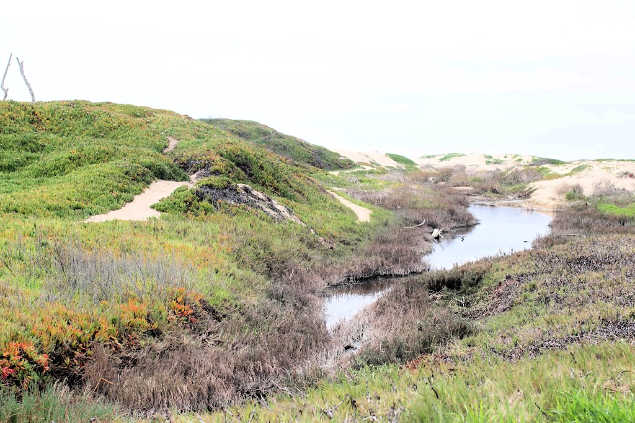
553	78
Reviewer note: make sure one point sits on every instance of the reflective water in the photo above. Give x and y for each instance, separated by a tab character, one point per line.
501	230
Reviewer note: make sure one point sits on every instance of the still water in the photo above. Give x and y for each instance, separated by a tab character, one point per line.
501	230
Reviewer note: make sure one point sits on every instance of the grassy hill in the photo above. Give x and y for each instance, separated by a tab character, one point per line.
120	300
287	146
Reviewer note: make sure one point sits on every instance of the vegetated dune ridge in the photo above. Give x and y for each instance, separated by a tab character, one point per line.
371	157
293	148
592	176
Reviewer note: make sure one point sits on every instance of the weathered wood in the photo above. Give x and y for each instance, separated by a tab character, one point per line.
6	90
415	226
26	81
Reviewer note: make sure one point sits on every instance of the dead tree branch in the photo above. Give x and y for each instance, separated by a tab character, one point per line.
6	90
26	81
415	226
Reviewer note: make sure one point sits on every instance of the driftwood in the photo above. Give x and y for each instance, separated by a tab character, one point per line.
6	90
415	226
26	81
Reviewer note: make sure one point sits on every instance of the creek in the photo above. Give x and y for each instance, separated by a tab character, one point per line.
500	230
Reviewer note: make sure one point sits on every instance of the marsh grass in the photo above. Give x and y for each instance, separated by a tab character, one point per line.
55	403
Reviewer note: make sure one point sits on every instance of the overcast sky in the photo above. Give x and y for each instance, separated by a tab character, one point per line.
552	78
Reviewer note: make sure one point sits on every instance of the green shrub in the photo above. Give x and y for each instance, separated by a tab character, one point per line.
287	146
450	156
401	159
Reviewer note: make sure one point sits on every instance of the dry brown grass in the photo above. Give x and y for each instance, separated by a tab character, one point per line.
408	322
263	348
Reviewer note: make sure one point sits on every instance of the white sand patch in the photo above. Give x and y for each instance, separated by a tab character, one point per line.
362	213
139	208
549	194
595	177
371	157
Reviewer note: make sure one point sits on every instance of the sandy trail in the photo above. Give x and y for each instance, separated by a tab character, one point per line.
362	213
172	142
139	208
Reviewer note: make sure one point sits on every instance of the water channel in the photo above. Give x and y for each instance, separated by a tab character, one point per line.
501	230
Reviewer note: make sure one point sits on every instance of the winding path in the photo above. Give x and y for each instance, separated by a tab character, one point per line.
139	208
362	213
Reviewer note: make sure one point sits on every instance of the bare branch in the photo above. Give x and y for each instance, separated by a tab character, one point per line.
21	65
6	90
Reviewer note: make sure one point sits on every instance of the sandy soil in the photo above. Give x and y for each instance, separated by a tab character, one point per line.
139	208
372	157
477	161
597	177
172	142
362	213
592	176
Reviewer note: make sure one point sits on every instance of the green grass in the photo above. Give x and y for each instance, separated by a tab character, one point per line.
560	385
450	156
539	161
402	160
578	169
493	161
53	404
615	210
74	159
293	148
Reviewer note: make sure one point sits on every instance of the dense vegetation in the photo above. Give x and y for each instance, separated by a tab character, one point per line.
293	148
107	306
540	335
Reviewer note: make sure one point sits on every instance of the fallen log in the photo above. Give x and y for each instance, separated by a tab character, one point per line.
415	226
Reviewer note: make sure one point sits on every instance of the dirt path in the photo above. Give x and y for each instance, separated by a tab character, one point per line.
139	208
362	213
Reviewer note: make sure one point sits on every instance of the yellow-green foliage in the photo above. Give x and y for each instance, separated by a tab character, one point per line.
612	209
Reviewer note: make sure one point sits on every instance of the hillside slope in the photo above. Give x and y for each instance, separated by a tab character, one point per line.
211	301
287	146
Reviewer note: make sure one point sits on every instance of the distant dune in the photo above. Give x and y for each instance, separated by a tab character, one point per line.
588	177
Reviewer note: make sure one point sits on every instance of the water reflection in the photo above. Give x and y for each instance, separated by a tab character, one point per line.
501	230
